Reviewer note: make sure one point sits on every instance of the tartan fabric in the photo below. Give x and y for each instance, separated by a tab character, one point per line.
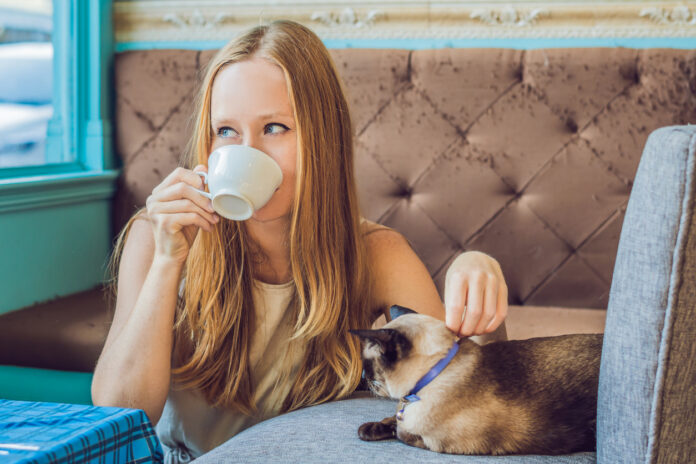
32	432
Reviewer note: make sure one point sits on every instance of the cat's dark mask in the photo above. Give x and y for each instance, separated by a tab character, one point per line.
381	353
391	344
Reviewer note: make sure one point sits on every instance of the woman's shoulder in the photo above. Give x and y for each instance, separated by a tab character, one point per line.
380	238
368	227
398	274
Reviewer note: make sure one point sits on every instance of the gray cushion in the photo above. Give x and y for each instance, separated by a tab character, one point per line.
648	371
328	433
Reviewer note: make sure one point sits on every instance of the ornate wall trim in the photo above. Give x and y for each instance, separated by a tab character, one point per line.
216	20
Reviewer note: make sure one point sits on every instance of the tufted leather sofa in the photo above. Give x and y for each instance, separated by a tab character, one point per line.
526	155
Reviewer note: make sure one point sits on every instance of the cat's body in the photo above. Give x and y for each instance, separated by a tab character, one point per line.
536	396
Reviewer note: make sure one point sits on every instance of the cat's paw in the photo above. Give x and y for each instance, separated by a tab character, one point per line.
373	431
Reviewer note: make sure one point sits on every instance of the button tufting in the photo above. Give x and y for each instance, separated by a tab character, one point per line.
572	125
630	73
519	74
499	166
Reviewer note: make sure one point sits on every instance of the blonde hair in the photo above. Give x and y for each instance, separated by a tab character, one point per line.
215	319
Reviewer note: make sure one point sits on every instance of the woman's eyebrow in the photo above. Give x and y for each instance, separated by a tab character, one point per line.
275	115
261	117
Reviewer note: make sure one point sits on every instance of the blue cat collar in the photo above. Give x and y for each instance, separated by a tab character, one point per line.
426	379
435	371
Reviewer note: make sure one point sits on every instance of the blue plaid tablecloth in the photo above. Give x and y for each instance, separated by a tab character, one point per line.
70	433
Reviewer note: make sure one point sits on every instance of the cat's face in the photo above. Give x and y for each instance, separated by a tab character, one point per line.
396	356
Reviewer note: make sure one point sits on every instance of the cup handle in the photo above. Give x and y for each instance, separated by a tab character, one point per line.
205	181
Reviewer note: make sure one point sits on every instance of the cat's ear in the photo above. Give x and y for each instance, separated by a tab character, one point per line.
381	337
396	311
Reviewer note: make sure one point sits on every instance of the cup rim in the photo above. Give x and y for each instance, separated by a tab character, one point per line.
249	151
233	192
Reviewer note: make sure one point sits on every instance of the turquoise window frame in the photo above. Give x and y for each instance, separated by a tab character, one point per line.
55	218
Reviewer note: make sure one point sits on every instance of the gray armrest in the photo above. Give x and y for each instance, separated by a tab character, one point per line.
647	397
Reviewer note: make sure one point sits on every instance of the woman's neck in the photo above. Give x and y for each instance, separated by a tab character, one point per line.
271	243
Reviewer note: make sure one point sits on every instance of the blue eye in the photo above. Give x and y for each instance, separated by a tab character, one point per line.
226	132
275	128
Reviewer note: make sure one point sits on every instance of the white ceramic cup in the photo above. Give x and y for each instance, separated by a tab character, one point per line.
241	180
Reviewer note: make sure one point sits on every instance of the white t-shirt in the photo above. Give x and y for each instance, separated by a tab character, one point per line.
190	427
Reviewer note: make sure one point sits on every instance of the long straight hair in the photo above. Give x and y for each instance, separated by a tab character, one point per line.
215	317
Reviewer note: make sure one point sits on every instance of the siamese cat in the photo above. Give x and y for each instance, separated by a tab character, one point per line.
536	396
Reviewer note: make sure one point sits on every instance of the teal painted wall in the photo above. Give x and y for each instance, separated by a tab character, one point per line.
29	384
52	251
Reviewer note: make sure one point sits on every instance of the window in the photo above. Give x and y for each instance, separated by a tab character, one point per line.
55	207
26	72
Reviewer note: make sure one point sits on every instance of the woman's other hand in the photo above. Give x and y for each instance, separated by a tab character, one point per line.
176	211
475	295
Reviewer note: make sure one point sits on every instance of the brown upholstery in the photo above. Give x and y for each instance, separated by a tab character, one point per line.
526	155
67	333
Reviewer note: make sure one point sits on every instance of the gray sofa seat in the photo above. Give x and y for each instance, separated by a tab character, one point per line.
647	387
329	433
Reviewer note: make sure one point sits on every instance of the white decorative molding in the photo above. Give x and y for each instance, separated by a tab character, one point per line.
146	21
347	17
196	19
679	15
509	16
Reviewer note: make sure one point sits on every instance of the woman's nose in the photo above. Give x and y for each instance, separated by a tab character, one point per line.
253	142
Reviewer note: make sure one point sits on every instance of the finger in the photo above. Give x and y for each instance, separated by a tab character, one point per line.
200	168
181	174
183	205
182	190
455	299
490	306
474	307
173	223
502	309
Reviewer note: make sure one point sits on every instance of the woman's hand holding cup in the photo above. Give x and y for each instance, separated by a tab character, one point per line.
177	211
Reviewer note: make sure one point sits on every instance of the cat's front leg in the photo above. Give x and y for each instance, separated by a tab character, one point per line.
411	439
373	431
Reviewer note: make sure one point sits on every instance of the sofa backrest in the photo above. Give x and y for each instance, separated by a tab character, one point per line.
526	155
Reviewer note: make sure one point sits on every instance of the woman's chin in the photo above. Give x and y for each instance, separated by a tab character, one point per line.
268	214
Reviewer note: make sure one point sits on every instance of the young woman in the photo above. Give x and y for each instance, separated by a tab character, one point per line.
219	328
